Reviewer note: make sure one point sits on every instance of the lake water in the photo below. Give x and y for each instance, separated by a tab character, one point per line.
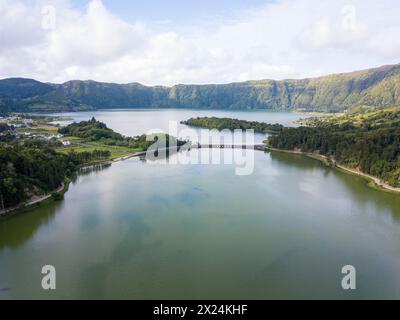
136	122
146	230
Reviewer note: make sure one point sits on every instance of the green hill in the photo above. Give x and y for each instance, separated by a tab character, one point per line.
378	87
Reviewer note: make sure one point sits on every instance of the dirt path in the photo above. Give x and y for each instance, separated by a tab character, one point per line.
32	201
376	180
43	197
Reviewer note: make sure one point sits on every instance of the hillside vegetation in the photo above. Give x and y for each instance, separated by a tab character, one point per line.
379	87
232	124
369	142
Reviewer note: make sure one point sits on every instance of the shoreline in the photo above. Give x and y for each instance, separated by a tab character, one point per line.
31	204
377	182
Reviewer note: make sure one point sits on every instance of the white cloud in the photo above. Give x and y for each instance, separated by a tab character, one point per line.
283	39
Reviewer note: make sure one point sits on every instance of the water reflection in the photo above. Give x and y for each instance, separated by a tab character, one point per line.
142	231
17	229
354	187
295	161
134	231
96	168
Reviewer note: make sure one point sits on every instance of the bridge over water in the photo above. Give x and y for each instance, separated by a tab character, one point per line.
228	146
188	147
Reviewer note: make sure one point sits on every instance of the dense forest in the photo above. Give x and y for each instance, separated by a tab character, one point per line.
338	92
232	124
34	167
368	142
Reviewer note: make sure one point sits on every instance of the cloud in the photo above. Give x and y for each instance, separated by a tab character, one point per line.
282	39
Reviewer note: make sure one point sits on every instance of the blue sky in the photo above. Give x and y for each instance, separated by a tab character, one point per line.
176	11
161	42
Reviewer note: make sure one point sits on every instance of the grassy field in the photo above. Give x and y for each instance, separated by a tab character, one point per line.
79	148
79	145
42	129
119	148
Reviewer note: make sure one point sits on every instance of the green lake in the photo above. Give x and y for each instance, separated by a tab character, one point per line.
140	230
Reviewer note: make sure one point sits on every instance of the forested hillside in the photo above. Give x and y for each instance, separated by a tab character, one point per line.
369	142
379	87
29	170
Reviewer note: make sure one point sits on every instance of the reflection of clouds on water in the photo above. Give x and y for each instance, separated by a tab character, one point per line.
186	197
137	231
129	245
309	186
194	196
158	200
90	221
133	231
269	172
